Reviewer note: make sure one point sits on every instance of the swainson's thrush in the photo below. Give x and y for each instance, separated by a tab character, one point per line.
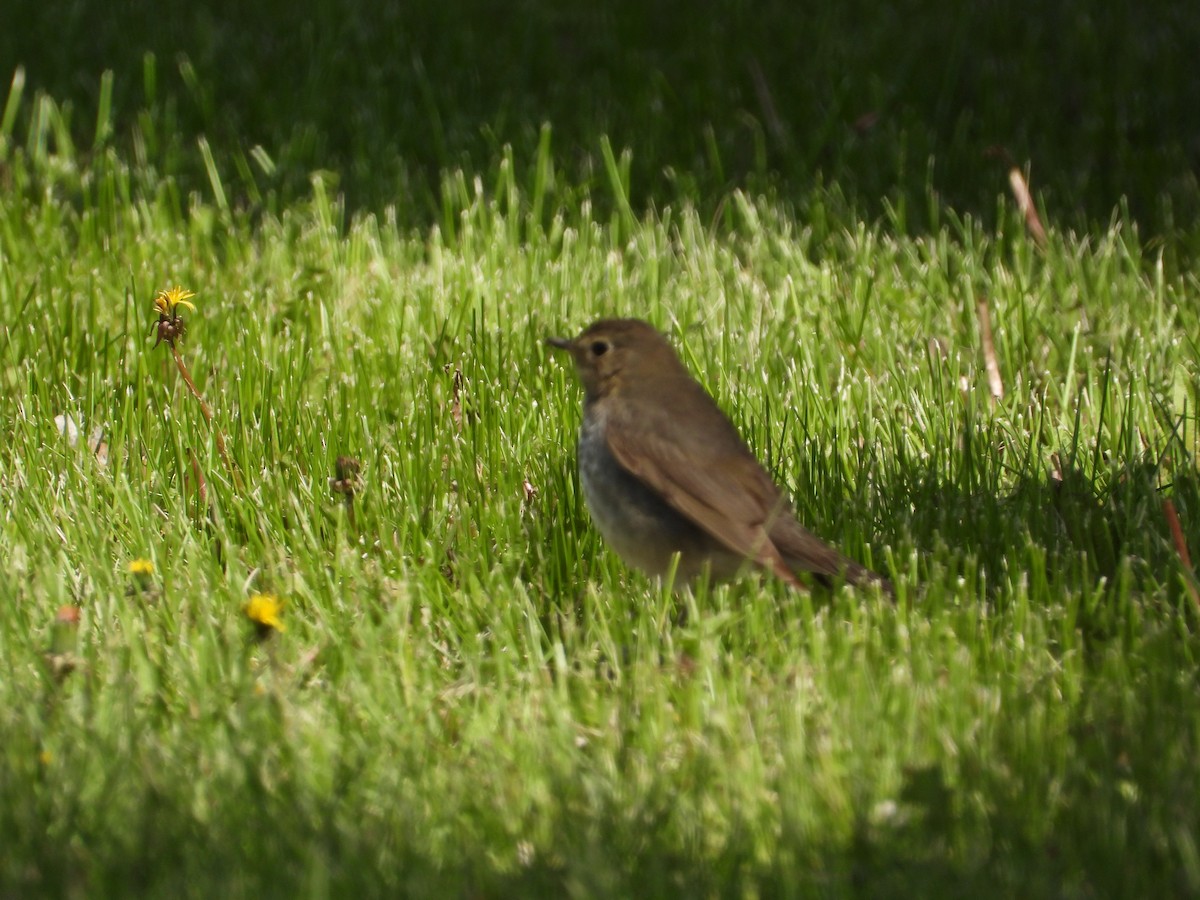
664	471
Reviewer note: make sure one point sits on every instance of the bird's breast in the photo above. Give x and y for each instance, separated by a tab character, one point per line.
643	529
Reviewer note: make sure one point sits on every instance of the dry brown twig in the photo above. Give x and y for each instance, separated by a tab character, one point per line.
1020	189
995	383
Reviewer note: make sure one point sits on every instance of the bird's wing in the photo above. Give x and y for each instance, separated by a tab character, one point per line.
717	483
691	455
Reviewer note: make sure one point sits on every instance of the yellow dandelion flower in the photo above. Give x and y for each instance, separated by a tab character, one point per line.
141	568
167	300
266	612
170	325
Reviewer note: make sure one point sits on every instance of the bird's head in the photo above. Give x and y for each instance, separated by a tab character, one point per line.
611	351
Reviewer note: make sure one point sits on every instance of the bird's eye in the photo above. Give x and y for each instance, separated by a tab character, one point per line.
599	348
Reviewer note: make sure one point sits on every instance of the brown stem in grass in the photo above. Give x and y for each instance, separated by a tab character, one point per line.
995	383
201	484
1181	548
1021	193
208	417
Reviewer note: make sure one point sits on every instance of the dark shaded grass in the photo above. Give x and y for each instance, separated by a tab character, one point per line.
888	102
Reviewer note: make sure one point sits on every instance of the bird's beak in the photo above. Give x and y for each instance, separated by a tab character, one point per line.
560	343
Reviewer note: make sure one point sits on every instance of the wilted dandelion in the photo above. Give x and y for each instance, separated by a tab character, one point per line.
346	480
171	328
170	325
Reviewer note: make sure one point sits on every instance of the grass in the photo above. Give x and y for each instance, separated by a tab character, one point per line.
472	696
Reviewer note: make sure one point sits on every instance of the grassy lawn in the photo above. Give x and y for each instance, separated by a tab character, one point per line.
469	695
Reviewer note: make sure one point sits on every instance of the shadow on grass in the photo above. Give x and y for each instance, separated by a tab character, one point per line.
1062	528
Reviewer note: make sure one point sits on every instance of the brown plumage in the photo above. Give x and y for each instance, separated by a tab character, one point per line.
664	471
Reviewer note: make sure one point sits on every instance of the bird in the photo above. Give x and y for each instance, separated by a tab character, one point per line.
665	472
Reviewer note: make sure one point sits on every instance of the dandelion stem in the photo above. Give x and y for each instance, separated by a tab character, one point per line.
208	417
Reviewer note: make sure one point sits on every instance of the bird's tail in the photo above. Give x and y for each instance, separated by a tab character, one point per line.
803	550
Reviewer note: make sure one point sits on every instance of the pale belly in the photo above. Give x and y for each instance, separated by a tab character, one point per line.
641	527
